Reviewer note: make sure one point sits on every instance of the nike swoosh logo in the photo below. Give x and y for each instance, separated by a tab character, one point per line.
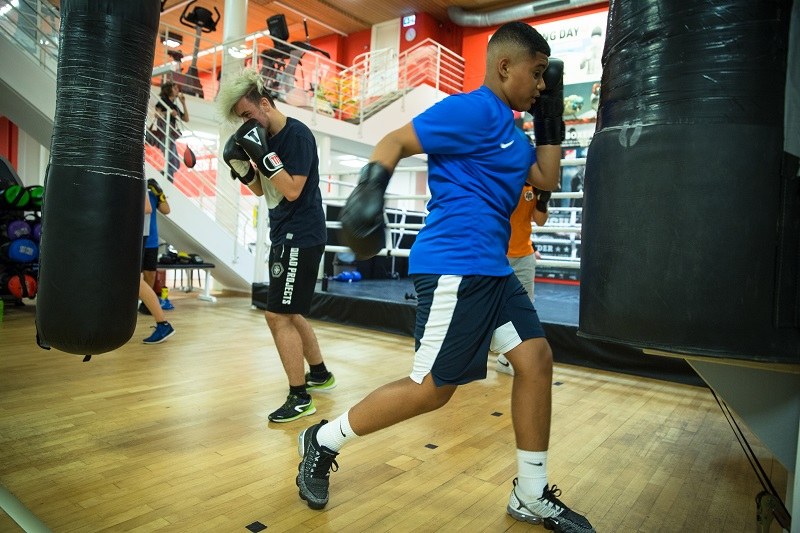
533	464
340	430
506	145
504	364
299	408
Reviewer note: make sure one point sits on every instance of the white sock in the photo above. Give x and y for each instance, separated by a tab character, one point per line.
532	474
336	433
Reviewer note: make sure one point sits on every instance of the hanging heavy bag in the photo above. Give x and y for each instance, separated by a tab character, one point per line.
95	184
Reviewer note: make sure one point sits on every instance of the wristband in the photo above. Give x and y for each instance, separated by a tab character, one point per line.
272	165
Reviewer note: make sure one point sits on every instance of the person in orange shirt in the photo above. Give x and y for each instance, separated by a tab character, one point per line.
532	207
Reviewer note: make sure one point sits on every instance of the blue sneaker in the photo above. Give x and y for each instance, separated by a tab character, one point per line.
166	305
163	331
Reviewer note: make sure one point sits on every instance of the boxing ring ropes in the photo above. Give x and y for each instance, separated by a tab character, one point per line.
397	230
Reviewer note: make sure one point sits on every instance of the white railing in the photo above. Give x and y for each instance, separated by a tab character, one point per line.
199	184
558	241
33	26
430	62
304	76
378	77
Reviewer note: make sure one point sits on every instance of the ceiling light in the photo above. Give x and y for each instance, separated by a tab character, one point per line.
240	52
6	8
171	40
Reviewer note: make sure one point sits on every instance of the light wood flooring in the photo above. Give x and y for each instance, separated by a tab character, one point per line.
174	437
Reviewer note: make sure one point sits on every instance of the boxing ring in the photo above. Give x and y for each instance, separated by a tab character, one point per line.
384	298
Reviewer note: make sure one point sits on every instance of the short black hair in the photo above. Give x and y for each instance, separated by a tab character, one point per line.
522	36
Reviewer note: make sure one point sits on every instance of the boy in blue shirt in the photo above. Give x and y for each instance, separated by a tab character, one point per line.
469	300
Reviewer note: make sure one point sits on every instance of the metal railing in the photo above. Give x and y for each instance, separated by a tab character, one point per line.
166	152
379	77
559	240
33	25
297	74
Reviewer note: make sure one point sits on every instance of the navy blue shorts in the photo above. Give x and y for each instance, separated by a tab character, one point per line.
460	318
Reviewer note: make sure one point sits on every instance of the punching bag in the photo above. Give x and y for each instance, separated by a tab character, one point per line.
93	206
690	228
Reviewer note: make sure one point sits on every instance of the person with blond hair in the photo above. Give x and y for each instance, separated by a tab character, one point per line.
275	156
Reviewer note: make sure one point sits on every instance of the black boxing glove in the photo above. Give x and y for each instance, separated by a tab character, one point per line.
542	198
363	228
252	137
548	111
237	160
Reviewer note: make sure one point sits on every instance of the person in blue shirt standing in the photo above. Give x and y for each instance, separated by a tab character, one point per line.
469	299
158	203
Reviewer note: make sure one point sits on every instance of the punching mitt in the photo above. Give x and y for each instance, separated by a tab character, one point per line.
237	160
363	226
252	137
155	188
548	111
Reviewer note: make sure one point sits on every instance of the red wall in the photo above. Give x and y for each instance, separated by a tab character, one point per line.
445	33
9	140
476	39
356	44
333	44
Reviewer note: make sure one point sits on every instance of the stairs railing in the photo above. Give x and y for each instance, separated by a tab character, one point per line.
304	76
297	73
33	26
199	183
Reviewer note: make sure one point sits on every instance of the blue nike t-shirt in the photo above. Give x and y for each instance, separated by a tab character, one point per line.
478	161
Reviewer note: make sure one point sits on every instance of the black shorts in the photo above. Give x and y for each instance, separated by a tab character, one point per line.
292	278
149	258
459	318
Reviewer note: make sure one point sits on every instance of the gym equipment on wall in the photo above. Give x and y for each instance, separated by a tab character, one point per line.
279	65
201	21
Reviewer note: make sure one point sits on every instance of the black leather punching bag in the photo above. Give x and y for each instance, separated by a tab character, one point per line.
93	208
691	210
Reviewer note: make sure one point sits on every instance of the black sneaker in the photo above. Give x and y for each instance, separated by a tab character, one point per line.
294	408
326	382
314	469
548	510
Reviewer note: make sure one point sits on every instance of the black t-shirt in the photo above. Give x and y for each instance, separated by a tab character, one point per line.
300	223
173	121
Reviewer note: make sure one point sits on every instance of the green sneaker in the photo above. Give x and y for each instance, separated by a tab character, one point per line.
294	408
313	383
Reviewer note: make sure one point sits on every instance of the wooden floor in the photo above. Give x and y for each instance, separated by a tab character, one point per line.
174	437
